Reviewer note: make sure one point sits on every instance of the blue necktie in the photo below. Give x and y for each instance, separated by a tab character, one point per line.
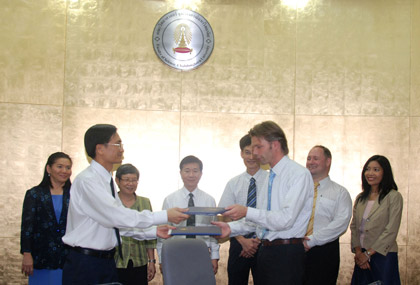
252	194
270	186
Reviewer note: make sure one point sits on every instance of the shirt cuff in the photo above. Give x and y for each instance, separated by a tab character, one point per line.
311	242
252	214
215	255
160	217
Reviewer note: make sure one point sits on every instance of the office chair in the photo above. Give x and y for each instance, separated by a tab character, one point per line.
186	262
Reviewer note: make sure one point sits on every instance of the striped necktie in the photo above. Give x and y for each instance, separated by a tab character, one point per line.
311	220
252	194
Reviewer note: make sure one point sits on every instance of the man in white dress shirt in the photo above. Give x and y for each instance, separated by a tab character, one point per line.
333	210
191	169
283	210
96	216
243	249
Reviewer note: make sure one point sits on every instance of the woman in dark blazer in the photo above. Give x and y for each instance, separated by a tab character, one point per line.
374	228
44	219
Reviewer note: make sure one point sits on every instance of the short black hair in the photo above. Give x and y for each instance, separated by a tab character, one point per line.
245	141
127	169
98	134
191	159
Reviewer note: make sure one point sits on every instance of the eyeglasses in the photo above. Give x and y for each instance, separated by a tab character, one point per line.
126	180
119	145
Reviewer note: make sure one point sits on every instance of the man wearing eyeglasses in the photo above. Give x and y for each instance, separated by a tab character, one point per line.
96	217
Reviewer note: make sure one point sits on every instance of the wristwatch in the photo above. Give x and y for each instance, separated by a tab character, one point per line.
152	260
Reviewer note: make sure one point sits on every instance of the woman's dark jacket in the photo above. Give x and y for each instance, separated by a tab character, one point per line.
40	233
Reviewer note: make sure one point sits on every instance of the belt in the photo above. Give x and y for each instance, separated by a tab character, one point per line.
266	242
105	254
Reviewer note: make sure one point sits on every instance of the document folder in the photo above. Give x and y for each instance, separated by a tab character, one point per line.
198	231
207	211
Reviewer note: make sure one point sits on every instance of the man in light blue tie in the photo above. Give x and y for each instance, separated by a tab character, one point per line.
283	210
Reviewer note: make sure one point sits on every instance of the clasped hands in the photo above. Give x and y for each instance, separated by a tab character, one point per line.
362	260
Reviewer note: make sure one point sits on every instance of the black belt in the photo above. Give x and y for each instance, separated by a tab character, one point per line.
105	254
266	242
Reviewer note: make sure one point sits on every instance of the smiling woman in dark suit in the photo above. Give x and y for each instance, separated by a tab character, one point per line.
44	219
376	221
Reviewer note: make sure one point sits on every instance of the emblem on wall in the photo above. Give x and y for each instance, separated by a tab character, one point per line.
183	39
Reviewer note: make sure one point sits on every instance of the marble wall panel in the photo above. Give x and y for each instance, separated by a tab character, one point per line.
151	143
415	59
214	138
353	58
402	263
348	69
110	62
346	264
30	133
11	262
32	50
414	195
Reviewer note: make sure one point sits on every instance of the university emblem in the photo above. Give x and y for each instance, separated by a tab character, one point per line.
183	39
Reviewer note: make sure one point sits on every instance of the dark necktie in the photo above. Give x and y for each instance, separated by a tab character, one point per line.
252	194
117	231
191	219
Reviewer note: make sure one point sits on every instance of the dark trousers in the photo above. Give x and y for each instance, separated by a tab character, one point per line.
281	264
322	264
132	275
238	267
382	268
81	269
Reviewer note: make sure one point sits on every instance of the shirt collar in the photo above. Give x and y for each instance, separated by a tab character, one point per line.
324	181
278	168
256	175
101	170
187	193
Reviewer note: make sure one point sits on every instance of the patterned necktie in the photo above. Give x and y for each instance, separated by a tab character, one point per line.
252	194
311	220
191	219
117	231
270	187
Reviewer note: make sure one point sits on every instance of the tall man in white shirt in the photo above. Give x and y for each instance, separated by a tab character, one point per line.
96	216
241	190
333	210
283	210
191	169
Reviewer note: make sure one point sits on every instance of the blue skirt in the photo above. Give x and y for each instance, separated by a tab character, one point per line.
383	270
46	277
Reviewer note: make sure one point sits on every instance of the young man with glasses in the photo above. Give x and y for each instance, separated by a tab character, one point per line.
96	217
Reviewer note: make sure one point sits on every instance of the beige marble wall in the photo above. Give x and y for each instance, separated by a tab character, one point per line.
345	74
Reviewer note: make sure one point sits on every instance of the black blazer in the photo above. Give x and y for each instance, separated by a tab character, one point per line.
40	233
